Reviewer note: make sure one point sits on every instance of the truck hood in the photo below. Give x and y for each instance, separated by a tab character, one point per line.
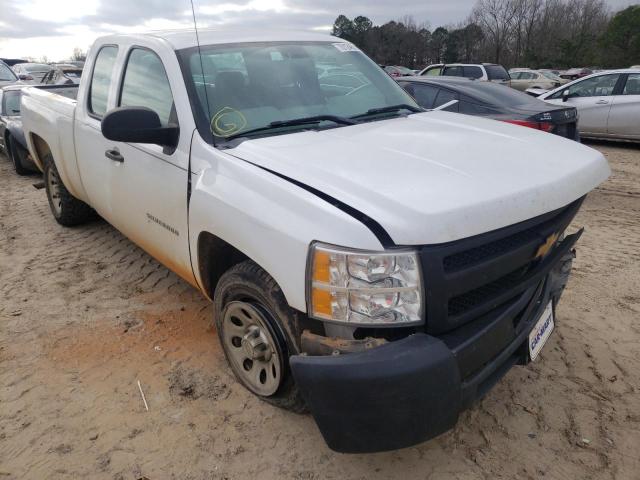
435	177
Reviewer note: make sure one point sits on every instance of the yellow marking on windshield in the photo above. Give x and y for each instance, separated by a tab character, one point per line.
228	121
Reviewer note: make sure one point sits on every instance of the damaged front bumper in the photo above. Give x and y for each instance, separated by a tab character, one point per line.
404	392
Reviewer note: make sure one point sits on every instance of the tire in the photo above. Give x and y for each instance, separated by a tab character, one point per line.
246	284
17	154
66	209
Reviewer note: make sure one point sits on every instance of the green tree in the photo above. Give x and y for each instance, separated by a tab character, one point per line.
344	28
621	41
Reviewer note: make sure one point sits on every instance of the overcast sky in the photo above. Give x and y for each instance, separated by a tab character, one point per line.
52	28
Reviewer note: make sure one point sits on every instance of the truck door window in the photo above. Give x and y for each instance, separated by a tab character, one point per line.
146	84
101	80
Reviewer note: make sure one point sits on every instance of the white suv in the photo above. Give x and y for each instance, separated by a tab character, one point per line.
489	72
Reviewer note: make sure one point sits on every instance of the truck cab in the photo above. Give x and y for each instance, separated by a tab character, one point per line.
377	264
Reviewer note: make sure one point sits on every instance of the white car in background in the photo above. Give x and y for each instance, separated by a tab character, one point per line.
608	103
488	72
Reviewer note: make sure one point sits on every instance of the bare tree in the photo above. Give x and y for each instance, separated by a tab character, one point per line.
496	18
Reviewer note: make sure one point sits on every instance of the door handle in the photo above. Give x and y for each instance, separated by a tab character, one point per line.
114	155
602	102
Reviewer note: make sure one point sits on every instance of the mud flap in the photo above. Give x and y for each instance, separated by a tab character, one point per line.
393	396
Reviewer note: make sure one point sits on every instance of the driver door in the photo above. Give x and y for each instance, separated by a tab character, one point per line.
149	182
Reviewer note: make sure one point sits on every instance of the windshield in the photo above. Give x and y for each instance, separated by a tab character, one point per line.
6	74
242	87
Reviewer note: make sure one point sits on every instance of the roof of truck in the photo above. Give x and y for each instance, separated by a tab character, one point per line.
180	39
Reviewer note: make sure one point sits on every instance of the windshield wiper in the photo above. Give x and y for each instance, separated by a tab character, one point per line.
293	123
390	109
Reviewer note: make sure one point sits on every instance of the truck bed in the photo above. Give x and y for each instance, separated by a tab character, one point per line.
48	113
68	91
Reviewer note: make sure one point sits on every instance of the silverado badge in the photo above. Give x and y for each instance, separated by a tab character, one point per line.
546	246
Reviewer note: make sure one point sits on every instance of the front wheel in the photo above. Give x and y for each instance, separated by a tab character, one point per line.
67	209
254	326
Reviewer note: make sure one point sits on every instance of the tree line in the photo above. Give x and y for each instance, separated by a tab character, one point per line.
514	33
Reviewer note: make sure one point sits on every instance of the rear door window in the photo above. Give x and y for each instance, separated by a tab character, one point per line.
425	95
496	72
101	80
445	96
472	72
453	71
632	87
11	101
146	84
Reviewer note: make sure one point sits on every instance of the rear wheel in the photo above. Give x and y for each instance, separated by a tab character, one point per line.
17	154
67	210
254	326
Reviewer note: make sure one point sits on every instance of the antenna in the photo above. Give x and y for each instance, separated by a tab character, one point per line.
204	84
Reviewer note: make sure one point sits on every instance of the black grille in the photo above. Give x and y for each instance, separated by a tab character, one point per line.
496	248
469	278
477	296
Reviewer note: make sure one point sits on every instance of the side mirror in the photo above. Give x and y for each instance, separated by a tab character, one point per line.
138	125
565	95
25	77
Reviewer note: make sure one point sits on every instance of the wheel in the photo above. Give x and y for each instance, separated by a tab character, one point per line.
17	154
255	328
67	209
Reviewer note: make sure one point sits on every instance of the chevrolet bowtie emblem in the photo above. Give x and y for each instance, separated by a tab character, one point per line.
547	246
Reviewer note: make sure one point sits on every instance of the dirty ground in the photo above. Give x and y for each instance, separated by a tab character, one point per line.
85	314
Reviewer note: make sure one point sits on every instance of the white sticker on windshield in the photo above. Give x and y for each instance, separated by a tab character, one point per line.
346	47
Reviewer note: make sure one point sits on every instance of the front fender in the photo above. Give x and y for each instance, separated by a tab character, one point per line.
270	220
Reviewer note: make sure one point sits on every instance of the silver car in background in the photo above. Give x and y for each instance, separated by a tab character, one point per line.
608	103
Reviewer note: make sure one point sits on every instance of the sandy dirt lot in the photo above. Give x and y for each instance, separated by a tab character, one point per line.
85	314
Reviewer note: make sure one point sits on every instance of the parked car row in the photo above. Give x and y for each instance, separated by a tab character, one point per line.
607	102
12	139
488	100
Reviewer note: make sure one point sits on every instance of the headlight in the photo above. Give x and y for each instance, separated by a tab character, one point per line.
364	288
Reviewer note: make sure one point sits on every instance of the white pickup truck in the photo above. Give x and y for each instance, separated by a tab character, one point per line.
380	265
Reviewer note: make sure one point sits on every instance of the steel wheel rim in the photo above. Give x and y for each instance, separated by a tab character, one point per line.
251	348
53	182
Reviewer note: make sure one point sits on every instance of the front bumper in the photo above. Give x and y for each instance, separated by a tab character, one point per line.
411	390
